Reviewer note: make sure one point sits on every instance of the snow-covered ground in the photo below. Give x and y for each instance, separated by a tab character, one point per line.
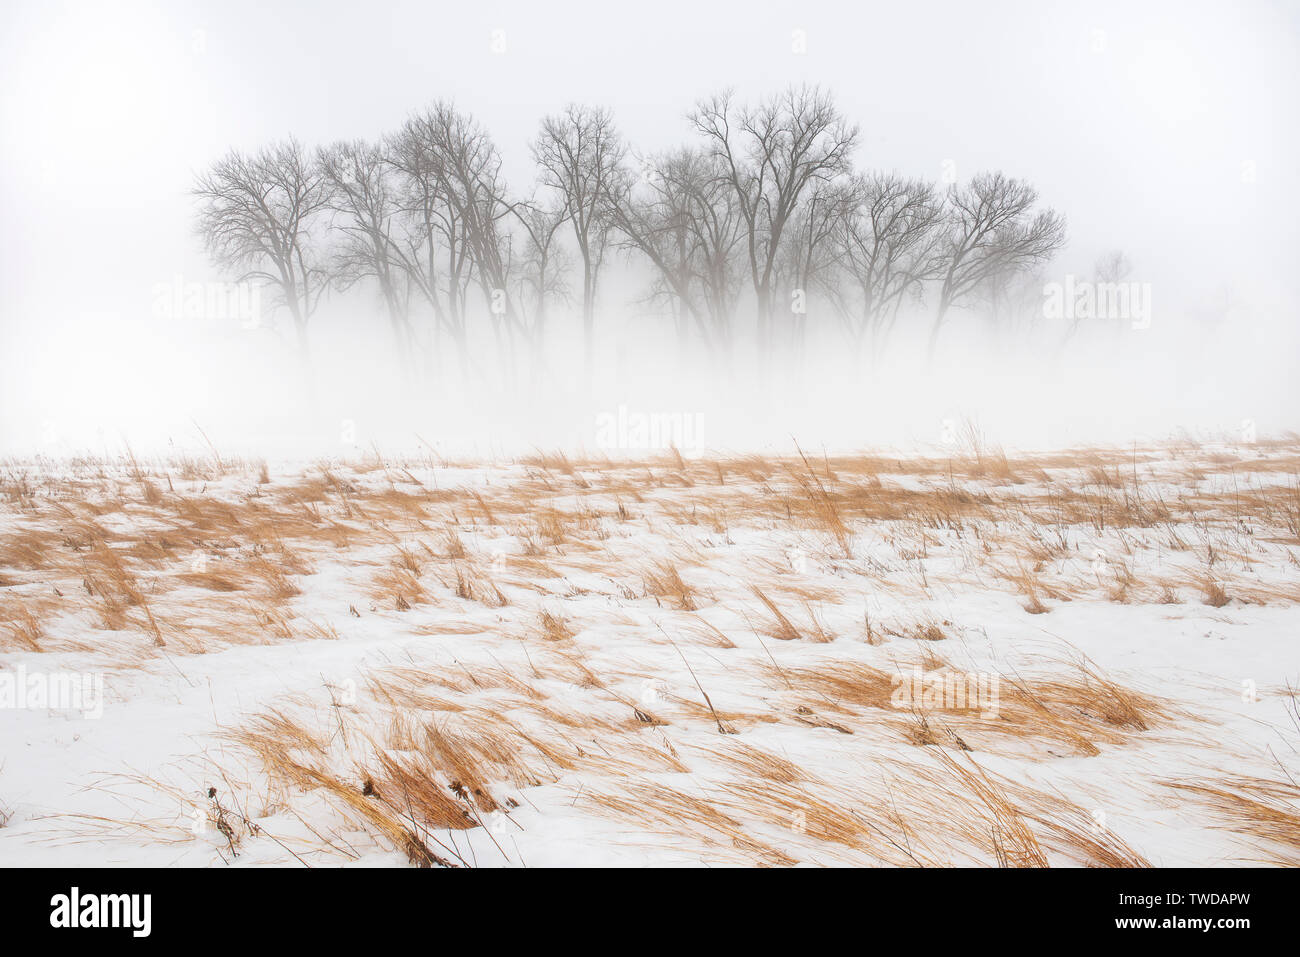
1070	658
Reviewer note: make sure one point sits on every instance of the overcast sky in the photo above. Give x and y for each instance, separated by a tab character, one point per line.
1165	129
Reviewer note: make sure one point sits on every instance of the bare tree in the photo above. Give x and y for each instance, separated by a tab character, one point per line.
886	244
1014	299
539	273
770	154
683	216
708	213
459	199
765	202
579	152
652	218
1112	266
365	200
255	215
809	255
991	230
435	251
471	179
1109	269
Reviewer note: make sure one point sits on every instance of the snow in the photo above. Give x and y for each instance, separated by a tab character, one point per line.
131	787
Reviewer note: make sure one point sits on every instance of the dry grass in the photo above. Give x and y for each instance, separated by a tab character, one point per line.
634	684
553	626
664	581
1267	810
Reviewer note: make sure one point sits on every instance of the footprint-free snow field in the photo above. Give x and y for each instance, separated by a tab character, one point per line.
1073	658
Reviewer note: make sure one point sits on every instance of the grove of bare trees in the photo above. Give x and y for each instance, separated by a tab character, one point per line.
257	216
759	226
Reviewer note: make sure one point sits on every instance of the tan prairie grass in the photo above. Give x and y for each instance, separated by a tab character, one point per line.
397	588
841	684
554	461
664	581
472	758
689	708
1011	839
1083	711
811	811
925	628
663	811
781	628
1017	824
30	549
1031	585
397	817
273	622
441	772
22	627
822	505
558	462
707	633
1266	810
420	777
1068	830
117	592
753	762
553	626
230	813
1213	593
473	584
452	545
552	526
407	559
214	557
837	481
919	814
274	576
318	631
225	580
1274	593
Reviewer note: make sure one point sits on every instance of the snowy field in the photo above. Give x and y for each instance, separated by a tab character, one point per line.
969	658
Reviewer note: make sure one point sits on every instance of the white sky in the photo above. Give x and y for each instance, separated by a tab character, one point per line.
1166	129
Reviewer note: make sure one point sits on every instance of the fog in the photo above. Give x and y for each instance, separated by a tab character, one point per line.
1166	131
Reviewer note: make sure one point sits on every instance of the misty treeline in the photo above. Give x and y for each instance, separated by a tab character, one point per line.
758	223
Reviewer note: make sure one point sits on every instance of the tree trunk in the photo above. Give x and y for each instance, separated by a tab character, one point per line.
588	327
934	330
764	337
